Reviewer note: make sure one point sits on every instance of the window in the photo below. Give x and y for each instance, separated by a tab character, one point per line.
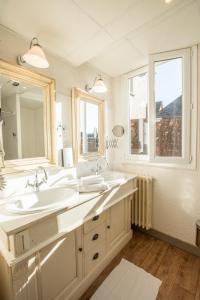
168	105
138	113
162	117
89	123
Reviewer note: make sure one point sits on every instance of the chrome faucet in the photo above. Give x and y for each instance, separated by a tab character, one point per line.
36	183
99	165
2	183
2	155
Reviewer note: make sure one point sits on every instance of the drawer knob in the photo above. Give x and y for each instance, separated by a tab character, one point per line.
95	237
95	218
96	256
80	249
108	226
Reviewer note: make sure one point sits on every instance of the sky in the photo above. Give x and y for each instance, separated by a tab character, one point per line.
168	80
91	117
168	87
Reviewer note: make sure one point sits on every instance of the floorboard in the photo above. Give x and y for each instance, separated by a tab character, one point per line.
178	270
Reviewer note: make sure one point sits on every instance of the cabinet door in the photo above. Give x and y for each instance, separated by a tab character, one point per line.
116	222
58	267
24	280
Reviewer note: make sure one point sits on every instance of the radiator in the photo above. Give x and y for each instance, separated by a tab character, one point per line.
142	203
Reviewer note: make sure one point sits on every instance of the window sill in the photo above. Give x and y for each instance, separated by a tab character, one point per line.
146	163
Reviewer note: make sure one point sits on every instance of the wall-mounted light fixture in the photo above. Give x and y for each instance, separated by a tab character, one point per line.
34	56
98	86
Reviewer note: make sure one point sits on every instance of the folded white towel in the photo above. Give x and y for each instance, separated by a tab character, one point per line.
92	179
92	188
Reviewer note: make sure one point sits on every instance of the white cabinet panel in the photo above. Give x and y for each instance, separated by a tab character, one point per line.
116	222
58	266
24	277
94	222
94	257
94	237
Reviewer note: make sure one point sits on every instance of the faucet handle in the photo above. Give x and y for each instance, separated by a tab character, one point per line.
44	180
27	184
100	168
2	183
45	173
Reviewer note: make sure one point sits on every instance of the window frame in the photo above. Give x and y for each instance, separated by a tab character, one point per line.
185	54
77	96
189	137
139	157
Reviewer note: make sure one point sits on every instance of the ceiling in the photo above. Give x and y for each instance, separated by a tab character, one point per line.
115	36
25	90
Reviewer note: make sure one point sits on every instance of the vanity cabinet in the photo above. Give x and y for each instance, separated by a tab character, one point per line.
52	271
19	282
116	222
59	269
24	276
79	244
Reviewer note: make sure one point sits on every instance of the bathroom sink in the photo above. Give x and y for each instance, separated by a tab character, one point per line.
113	176
110	179
40	201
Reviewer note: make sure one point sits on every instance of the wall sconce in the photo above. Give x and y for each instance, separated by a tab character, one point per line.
98	86
34	56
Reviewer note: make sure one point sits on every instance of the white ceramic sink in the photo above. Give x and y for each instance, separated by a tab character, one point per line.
40	201
113	176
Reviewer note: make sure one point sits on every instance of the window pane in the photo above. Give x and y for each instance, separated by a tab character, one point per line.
89	127
138	94
168	98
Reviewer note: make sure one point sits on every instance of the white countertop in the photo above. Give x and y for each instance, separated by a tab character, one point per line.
11	223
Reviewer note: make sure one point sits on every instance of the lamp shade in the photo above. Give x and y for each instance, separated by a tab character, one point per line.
99	86
35	57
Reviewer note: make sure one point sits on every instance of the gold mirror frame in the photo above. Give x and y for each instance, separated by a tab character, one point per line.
48	85
77	95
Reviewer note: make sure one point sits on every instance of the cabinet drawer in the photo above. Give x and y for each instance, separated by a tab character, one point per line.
94	237
94	222
94	257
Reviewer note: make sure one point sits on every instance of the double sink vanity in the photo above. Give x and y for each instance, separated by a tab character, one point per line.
55	241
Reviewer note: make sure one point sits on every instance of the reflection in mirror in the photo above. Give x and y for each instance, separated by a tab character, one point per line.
89	128
22	111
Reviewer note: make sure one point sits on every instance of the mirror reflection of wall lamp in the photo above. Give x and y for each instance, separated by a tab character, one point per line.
97	87
34	56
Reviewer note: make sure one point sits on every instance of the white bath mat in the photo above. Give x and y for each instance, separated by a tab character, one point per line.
128	282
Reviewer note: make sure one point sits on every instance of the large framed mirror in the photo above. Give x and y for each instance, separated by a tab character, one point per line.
88	125
26	117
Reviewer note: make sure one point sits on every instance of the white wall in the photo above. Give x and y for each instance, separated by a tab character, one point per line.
39	131
32	136
10	142
28	132
176	204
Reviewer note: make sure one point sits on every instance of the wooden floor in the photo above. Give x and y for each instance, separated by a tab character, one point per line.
178	270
